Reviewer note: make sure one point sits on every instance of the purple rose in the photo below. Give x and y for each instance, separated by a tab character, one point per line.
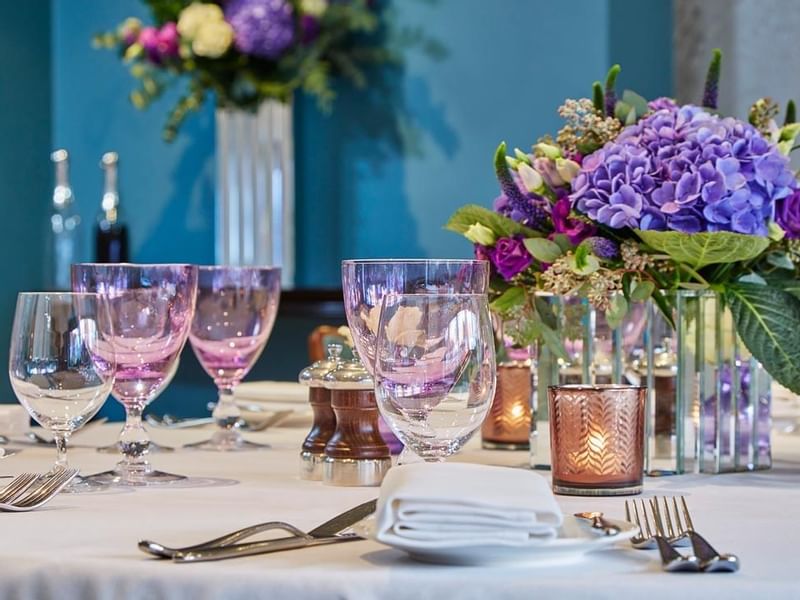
576	230
787	215
309	29
148	38
510	256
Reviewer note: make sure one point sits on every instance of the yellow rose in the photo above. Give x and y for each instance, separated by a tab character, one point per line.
212	39
194	16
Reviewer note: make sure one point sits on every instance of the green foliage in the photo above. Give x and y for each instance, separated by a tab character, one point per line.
597	97
543	249
466	216
510	299
700	249
791	113
616	311
767	321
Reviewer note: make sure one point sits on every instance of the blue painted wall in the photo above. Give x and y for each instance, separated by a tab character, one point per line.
25	130
379	177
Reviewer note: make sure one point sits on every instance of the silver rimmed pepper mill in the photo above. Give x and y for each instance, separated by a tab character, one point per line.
356	454
313	450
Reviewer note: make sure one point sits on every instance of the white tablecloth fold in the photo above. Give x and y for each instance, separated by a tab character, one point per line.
443	505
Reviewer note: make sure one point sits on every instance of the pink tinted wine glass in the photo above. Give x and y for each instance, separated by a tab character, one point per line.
151	308
235	312
366	281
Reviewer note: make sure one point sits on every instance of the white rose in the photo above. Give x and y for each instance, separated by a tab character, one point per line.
194	16
315	8
212	40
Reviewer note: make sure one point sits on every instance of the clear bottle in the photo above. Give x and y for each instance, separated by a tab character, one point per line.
65	234
111	235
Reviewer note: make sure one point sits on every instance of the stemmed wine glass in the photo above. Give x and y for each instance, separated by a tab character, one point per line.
434	369
233	319
152	308
61	365
366	282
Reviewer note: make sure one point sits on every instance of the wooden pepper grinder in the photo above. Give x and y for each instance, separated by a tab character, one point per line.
356	454
313	452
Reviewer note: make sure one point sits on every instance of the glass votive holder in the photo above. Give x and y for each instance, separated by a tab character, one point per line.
597	439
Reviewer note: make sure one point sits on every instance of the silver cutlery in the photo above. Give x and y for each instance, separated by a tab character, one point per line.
671	560
647	542
711	561
330	532
598	522
17	486
31	495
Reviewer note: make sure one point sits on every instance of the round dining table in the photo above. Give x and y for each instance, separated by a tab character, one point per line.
84	546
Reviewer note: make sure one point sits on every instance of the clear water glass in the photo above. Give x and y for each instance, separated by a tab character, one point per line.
233	319
152	308
434	370
61	365
366	281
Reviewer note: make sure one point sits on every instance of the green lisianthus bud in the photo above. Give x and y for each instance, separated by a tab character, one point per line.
548	150
567	169
480	234
531	178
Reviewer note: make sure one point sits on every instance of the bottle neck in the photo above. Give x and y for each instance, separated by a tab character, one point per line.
110	202
62	193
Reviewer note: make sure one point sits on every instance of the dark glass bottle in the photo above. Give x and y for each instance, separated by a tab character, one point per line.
111	236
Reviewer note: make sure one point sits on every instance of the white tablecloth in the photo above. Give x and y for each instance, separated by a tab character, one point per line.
84	546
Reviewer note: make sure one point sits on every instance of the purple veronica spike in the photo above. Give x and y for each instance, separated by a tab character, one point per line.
602	248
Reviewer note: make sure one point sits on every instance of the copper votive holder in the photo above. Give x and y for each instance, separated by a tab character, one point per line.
508	424
597	439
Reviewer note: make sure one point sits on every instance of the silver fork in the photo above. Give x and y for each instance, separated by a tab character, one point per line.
671	560
710	560
646	541
41	495
17	486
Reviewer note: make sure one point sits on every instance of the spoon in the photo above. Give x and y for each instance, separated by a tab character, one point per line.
598	522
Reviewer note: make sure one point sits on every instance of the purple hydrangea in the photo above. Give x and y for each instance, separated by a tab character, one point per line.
686	170
263	28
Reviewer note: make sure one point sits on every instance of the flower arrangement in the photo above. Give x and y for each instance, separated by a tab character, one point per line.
245	51
634	199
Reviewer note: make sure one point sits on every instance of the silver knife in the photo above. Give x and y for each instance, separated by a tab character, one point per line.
323	534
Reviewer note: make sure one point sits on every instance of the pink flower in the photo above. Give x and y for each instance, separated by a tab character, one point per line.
148	38
168	40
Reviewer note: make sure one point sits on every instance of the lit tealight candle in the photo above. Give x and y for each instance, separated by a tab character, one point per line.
597	439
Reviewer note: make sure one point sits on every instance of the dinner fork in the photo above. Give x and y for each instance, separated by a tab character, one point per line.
41	495
645	541
671	560
710	560
17	486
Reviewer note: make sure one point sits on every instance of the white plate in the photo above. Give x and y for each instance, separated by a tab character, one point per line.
574	540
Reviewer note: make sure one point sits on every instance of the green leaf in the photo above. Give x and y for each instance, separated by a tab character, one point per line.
545	311
642	291
635	101
780	260
622	110
543	249
583	262
563	242
768	321
616	311
468	215
508	300
700	249
553	341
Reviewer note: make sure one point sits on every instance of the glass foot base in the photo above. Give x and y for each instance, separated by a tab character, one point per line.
84	485
227	441
567	490
489	445
141	476
152	449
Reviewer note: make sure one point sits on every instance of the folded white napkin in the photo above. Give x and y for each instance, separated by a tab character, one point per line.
14	419
459	504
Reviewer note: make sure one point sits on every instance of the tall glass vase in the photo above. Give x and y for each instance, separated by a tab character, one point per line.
255	187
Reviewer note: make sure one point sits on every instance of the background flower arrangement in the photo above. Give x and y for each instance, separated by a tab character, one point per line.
633	200
246	51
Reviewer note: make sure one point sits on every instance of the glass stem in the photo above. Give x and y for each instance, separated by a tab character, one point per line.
226	414
60	439
134	443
